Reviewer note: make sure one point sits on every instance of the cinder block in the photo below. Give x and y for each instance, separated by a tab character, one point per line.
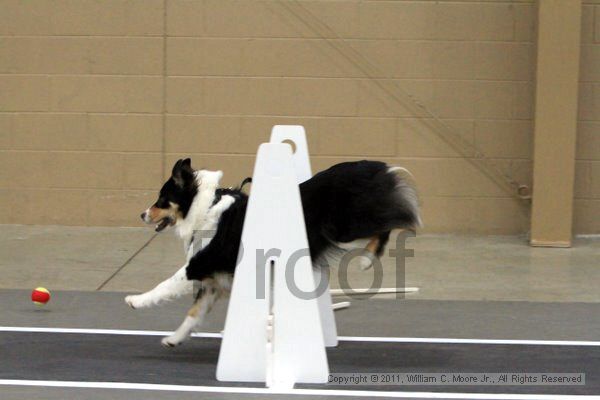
394	98
125	132
518	170
495	21
590	63
456	21
107	170
127	56
397	20
6	131
595	175
43	55
360	137
525	22
312	19
586	218
504	61
453	60
81	170
291	58
588	141
185	18
49	131
119	207
503	100
109	17
455	99
185	95
403	59
142	171
500	216
452	177
481	21
207	134
56	207
587	107
425	138
24	169
596	24
226	135
24	93
206	56
81	17
44	206
10	200
583	180
26	17
106	94
504	138
524	100
81	55
587	24
239	18
341	17
271	96
446	214
319	97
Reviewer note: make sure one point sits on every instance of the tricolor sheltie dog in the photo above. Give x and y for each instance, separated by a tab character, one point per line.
347	205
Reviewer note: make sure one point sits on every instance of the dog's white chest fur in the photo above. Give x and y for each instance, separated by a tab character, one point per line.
198	215
203	215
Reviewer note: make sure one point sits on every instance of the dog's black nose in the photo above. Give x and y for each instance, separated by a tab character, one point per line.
143	216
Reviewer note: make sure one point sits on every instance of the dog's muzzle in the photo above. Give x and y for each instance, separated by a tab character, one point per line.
145	216
161	225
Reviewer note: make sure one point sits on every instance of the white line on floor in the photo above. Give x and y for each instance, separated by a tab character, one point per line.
531	342
305	392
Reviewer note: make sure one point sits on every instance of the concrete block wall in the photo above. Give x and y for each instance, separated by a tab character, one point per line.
587	167
99	98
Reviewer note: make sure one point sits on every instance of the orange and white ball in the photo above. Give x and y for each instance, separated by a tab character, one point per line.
40	296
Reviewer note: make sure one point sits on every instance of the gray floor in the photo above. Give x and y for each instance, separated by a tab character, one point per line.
137	359
470	287
384	317
444	267
141	359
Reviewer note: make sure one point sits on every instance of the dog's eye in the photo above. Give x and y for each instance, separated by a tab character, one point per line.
161	203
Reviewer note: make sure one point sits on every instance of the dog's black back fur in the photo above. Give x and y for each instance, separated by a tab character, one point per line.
349	201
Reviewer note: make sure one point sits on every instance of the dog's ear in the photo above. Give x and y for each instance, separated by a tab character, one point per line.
183	173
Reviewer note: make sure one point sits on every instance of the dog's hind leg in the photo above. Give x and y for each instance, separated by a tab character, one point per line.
176	286
374	249
207	295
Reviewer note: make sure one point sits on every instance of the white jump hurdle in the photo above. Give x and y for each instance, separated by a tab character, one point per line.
301	160
271	334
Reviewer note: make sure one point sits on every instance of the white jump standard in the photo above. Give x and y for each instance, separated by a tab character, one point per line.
286	341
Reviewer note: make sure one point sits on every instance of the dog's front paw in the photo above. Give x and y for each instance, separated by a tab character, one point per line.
170	341
135	301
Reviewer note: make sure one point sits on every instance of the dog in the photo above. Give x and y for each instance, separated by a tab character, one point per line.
347	205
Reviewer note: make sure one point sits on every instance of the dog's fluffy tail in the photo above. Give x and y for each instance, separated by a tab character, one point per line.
407	191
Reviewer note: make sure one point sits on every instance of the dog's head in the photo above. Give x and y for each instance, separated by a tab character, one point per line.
175	197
